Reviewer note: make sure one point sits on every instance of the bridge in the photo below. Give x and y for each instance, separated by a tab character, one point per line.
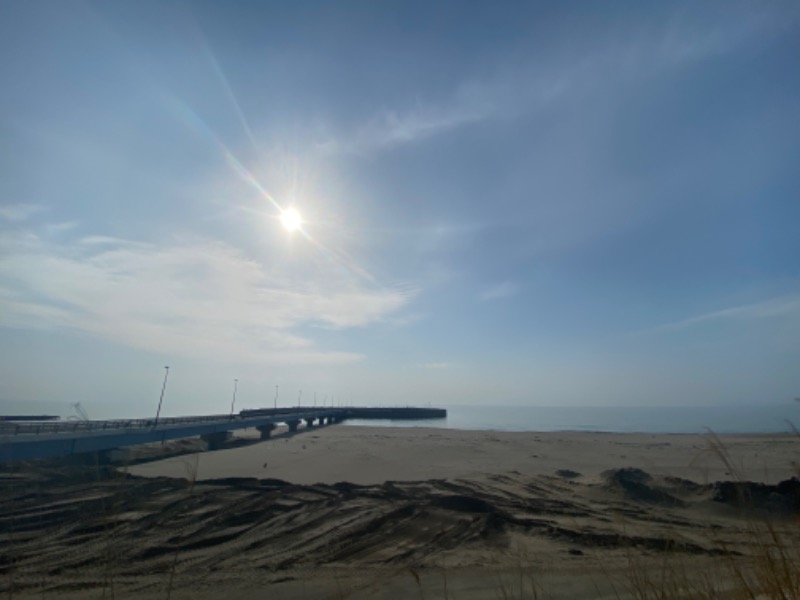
49	439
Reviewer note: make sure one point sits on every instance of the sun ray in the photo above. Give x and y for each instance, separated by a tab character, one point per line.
338	257
193	120
237	108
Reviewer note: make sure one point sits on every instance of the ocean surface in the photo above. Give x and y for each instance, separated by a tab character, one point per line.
773	418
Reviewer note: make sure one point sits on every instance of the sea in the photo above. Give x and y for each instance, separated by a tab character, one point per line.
772	418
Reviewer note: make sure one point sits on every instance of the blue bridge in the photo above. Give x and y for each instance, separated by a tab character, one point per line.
48	439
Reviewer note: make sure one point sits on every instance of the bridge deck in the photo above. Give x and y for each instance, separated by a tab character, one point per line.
22	441
25	441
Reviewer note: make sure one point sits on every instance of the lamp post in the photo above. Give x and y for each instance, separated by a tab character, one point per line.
276	397
299	397
235	383
161	399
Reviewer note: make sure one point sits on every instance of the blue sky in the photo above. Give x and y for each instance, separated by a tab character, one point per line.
506	203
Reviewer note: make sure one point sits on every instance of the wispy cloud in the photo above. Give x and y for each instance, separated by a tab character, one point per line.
511	89
17	213
502	290
392	127
506	92
437	366
198	298
775	307
55	228
686	40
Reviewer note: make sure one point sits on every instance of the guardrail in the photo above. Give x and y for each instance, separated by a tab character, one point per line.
39	428
295	413
85	426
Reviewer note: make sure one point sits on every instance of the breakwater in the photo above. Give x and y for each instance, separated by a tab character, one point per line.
355	412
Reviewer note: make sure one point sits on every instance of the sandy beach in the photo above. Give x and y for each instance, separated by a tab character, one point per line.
372	455
370	512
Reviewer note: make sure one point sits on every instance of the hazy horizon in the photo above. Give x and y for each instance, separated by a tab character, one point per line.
521	203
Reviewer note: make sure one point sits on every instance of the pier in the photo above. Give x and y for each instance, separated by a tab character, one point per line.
23	440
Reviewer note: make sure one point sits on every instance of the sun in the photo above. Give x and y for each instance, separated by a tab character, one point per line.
291	219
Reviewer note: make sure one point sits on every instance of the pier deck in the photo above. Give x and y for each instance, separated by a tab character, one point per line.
48	439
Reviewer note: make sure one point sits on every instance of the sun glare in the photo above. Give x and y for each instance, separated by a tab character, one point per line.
291	219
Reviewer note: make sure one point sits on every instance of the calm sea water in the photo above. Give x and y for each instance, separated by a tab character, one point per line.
695	419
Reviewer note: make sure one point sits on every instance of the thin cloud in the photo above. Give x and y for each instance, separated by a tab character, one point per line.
506	93
470	102
404	320
17	213
775	307
56	228
199	298
513	90
499	291
684	41
391	128
675	39
105	240
437	366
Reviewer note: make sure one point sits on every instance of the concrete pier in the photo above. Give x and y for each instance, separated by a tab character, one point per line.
266	430
27	439
216	439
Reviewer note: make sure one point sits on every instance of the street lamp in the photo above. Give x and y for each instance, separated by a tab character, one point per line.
276	397
161	399
235	382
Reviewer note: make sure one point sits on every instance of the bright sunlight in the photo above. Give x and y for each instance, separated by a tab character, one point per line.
291	219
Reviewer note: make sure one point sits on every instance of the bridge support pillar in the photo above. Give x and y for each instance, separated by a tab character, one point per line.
215	440
293	425
104	457
265	430
322	420
310	422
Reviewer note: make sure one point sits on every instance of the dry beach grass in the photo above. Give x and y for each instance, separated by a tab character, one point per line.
343	512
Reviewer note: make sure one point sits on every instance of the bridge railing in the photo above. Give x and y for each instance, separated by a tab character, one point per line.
86	426
46	427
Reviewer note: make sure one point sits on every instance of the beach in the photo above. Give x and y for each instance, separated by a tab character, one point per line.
373	512
372	455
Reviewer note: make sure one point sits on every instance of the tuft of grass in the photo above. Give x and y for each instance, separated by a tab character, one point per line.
417	580
770	569
192	465
765	566
520	581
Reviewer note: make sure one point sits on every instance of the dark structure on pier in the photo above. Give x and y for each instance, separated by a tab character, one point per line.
404	413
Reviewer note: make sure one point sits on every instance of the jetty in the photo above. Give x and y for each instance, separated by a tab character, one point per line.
22	439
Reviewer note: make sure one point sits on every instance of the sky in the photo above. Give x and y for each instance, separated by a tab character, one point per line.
512	203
